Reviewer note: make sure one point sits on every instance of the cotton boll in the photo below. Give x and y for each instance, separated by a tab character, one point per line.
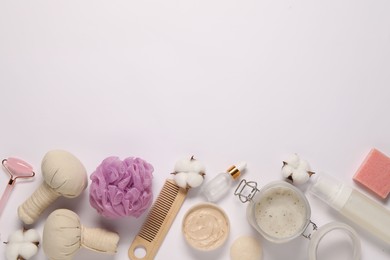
22	244
189	164
31	235
300	177
287	171
303	165
194	179
183	165
293	160
181	179
196	166
12	251
296	170
28	250
16	237
188	172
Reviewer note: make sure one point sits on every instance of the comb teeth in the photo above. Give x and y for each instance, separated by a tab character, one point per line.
159	211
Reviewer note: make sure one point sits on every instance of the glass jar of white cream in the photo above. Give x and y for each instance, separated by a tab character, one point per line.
280	212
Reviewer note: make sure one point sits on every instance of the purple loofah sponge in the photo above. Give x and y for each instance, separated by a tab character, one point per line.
121	188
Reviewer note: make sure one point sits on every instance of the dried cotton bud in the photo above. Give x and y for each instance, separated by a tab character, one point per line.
296	170
189	172
22	244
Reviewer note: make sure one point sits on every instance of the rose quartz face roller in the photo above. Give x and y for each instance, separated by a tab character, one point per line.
16	168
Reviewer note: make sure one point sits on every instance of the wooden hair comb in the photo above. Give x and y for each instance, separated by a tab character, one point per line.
158	221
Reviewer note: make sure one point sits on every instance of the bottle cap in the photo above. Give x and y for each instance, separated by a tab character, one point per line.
235	170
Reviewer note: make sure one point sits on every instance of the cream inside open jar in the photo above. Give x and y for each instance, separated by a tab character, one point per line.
205	226
279	211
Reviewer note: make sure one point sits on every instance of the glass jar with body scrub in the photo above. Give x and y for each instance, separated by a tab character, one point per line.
280	212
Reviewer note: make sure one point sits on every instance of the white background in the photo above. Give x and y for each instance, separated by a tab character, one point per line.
226	81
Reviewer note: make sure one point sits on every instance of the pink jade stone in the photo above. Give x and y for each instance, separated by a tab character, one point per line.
374	173
121	188
18	167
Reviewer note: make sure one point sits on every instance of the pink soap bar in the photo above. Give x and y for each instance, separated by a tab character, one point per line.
374	173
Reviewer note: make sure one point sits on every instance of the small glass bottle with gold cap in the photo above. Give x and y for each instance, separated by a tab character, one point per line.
217	187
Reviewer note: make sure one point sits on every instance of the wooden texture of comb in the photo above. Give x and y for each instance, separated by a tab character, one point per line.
159	221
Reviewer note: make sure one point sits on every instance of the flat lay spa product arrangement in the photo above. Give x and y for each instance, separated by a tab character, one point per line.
279	211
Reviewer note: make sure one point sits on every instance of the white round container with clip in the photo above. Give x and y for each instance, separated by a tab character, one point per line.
280	212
